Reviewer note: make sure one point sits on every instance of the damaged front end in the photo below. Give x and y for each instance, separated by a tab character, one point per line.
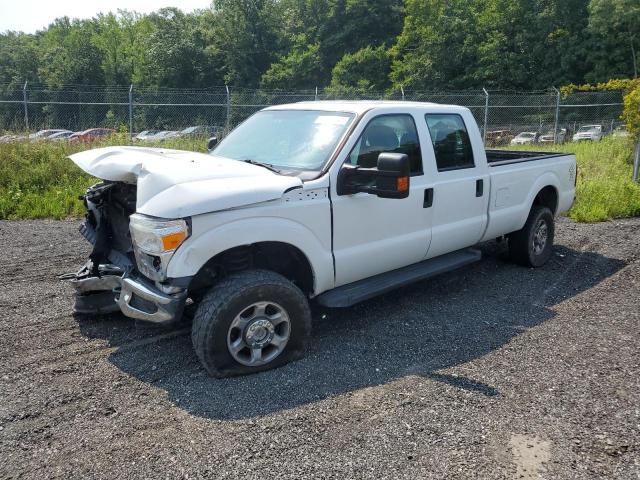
121	274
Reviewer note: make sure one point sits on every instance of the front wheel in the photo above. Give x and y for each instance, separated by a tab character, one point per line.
532	245
251	321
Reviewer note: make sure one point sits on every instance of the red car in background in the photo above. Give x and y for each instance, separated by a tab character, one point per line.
91	134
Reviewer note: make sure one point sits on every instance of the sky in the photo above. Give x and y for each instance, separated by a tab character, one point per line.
31	15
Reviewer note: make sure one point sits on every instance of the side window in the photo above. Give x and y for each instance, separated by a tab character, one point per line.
388	133
451	142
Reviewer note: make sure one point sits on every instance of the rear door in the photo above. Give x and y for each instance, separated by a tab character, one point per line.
461	189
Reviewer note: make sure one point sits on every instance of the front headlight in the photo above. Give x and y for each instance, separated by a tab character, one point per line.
155	235
155	240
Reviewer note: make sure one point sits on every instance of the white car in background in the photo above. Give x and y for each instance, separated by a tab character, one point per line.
59	136
163	135
620	132
44	134
589	132
524	138
146	134
551	137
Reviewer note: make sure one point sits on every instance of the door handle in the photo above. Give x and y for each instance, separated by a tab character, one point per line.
479	187
428	198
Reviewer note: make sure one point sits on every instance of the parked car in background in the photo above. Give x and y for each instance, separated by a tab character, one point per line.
163	135
589	132
524	138
498	138
57	137
43	134
620	132
91	134
201	131
10	138
146	134
548	137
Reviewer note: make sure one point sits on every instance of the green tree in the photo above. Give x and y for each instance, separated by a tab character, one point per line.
68	56
366	70
616	27
18	59
317	34
438	45
247	36
301	68
175	51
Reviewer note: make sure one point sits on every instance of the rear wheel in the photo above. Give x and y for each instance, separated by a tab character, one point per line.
532	245
251	321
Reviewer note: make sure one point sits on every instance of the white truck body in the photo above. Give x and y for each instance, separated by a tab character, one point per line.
233	202
345	238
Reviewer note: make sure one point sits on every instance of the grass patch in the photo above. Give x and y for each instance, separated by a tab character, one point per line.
37	180
605	189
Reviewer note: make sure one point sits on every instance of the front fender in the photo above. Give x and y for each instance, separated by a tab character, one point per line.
201	247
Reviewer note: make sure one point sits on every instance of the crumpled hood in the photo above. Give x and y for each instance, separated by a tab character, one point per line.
175	183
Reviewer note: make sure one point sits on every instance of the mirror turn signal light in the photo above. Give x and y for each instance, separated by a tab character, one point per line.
402	184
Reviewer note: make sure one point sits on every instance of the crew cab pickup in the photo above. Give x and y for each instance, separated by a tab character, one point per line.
333	202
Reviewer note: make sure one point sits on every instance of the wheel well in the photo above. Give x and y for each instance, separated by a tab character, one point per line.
547	197
278	257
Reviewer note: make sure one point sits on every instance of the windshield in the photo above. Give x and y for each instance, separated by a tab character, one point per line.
299	139
189	130
527	135
589	128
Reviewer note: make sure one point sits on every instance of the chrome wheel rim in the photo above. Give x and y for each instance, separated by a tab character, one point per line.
258	334
540	235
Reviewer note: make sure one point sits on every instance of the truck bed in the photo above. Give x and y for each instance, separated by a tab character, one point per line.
507	157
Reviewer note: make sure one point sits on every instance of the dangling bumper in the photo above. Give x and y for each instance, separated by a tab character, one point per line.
134	296
142	300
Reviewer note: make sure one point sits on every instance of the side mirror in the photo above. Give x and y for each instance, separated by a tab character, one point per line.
211	143
390	179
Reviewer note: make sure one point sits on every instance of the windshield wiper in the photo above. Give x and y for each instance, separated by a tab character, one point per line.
260	164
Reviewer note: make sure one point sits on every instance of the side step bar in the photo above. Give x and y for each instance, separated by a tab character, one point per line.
356	292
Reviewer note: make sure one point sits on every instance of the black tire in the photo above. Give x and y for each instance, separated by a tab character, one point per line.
522	249
232	296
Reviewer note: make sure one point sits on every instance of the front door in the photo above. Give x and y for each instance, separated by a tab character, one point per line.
373	235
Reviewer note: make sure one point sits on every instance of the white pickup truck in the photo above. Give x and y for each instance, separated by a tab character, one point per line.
331	201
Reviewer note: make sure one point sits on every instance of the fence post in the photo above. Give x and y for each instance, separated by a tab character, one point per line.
131	111
557	116
228	122
402	91
26	110
486	115
316	96
636	162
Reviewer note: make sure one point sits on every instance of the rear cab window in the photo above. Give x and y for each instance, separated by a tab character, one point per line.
451	142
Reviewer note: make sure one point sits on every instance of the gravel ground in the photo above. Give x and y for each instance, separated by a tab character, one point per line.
494	371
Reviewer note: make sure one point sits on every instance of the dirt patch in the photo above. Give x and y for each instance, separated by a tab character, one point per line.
530	455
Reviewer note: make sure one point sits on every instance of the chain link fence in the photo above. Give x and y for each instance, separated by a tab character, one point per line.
501	115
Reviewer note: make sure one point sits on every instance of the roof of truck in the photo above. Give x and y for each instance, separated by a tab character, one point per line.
359	106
